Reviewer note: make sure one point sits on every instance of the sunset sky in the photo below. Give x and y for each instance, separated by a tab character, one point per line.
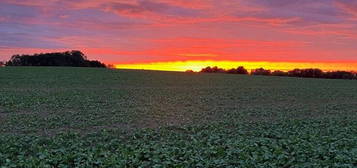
186	34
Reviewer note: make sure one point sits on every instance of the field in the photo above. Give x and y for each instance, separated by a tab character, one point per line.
89	117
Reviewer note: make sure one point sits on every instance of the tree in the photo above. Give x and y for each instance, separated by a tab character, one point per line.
279	73
306	73
214	69
2	63
312	73
261	71
95	63
238	70
206	70
68	58
340	75
110	66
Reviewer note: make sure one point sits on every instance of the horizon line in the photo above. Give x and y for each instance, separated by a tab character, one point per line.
196	65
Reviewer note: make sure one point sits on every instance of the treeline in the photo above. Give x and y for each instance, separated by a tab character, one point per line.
69	58
303	73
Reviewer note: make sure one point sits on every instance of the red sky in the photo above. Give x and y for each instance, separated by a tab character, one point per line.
151	31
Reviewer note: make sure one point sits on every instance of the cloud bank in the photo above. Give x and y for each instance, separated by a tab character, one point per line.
129	31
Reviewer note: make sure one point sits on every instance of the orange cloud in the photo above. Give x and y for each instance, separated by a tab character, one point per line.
198	55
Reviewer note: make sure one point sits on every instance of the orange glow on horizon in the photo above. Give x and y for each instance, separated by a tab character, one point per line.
198	65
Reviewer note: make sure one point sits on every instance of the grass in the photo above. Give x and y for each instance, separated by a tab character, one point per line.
87	117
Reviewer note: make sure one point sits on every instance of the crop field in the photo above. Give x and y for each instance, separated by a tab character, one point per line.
90	117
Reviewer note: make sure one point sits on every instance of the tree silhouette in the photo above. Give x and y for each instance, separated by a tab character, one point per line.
261	71
214	69
68	58
279	73
303	73
110	66
239	70
340	75
306	73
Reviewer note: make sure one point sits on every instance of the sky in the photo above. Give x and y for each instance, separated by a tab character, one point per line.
186	34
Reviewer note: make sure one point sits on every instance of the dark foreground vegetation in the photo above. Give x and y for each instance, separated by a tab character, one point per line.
68	58
97	117
303	73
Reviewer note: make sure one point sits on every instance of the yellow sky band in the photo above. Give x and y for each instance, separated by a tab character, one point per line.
198	65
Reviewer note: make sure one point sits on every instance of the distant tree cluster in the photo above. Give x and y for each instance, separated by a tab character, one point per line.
317	73
213	70
239	70
303	73
261	71
69	58
2	64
